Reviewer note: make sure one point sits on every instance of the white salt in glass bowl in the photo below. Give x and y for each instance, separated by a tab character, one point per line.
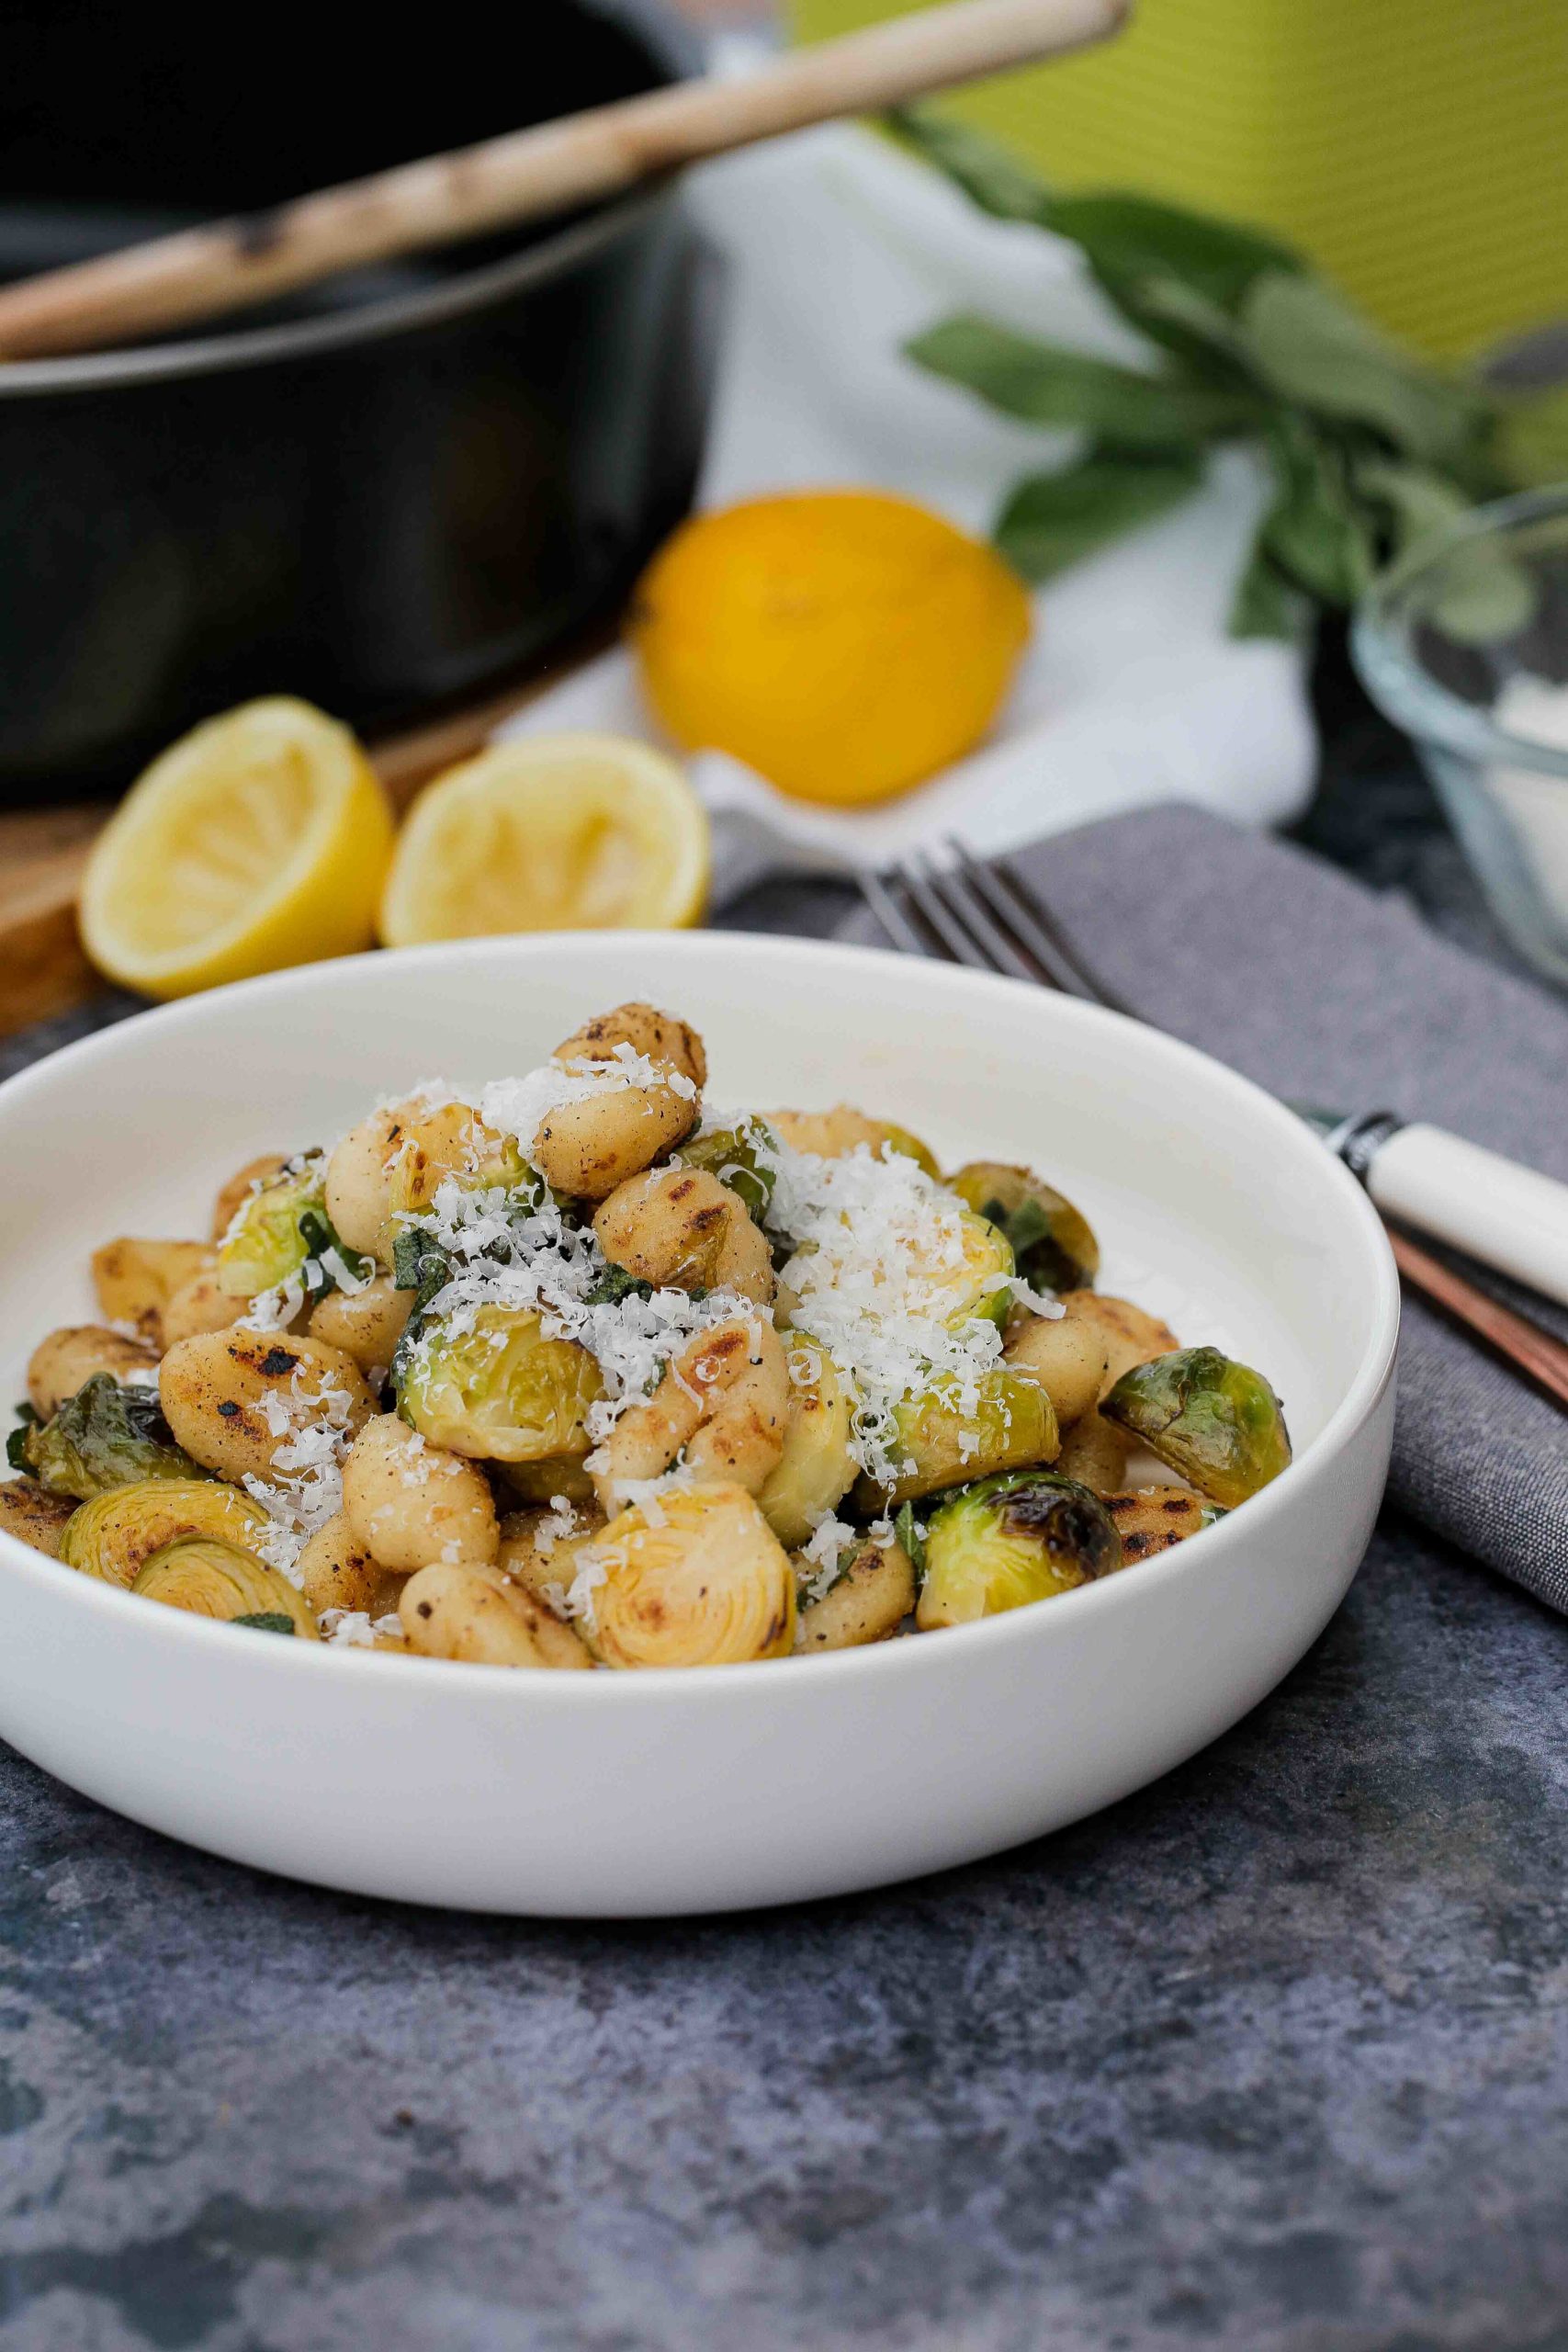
604	1794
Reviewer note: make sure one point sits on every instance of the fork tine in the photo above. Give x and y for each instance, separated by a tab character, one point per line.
957	891
1022	917
890	914
959	947
1042	934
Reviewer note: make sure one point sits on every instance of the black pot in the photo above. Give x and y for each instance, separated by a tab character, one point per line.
380	497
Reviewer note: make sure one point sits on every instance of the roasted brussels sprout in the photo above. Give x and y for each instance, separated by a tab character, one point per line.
816	1469
976	1286
1216	1422
741	1157
1053	1241
457	1609
241	1185
282	1231
940	1441
834	1135
872	1592
115	1534
264	1245
500	1391
697	1579
212	1578
1006	1542
541	1482
1154	1517
103	1436
34	1516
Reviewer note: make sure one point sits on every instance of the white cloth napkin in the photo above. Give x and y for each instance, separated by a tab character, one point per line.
839	248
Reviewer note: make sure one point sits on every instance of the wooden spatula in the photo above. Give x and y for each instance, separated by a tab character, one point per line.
202	273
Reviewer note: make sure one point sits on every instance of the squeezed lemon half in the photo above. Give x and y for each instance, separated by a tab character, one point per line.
553	832
259	839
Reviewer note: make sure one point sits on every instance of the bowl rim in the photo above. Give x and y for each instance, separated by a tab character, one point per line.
1403	688
706	1684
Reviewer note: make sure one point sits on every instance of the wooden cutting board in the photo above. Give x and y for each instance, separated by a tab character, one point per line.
42	852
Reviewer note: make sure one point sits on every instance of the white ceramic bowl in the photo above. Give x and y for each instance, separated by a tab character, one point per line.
665	1791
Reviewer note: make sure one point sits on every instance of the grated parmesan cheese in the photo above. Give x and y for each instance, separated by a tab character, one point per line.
878	1261
306	1488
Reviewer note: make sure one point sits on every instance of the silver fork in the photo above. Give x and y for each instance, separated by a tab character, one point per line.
985	915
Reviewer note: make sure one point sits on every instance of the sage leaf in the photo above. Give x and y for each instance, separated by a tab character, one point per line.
1137	237
990	176
1313	349
1047	383
1266	605
1481	593
1051	520
1314	529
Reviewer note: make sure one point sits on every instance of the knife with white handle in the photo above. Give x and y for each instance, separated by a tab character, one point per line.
1507	1217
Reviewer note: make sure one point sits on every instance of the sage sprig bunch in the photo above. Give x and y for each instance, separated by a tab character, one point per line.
1368	448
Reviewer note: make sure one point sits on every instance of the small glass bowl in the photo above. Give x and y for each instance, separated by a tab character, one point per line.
1464	644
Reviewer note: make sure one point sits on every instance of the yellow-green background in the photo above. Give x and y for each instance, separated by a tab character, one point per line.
1418	149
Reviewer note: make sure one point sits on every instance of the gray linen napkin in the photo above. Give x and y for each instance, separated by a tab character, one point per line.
1323	992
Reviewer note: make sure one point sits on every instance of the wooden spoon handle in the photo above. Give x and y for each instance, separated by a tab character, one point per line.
198	273
1530	1350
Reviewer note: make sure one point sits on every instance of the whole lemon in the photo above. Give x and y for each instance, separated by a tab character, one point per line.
844	644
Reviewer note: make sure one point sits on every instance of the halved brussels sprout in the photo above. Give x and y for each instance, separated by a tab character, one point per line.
697	1579
282	1228
740	1158
500	1392
542	1481
113	1535
212	1578
1216	1422
264	1246
982	1286
1053	1241
1151	1518
979	1287
872	1593
1007	1541
817	1469
105	1436
1010	1425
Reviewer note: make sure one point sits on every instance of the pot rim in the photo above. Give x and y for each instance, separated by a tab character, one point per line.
213	354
